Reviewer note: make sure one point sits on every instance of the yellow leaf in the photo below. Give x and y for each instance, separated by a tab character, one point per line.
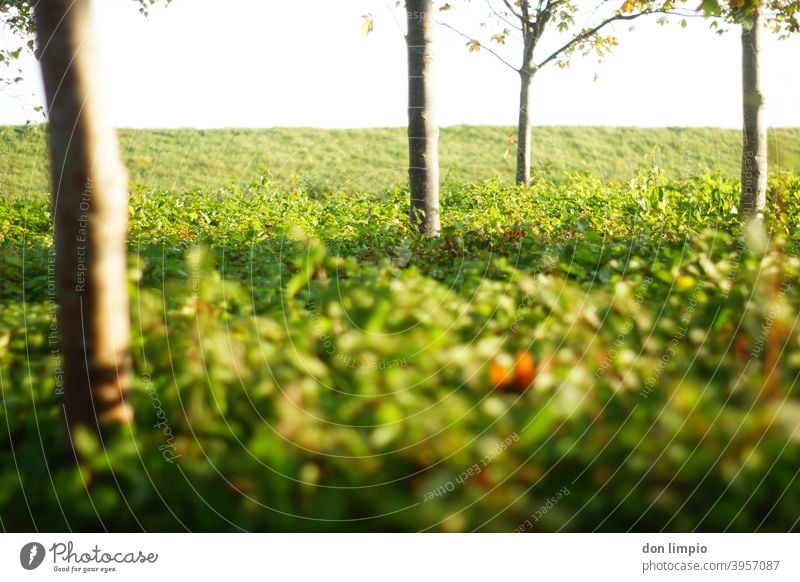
366	24
474	46
445	7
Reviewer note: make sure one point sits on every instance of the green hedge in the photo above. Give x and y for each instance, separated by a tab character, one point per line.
305	363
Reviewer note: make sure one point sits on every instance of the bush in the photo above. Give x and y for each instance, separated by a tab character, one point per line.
307	364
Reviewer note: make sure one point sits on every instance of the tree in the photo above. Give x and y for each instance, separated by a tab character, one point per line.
531	19
89	204
17	19
753	15
423	133
90	208
753	196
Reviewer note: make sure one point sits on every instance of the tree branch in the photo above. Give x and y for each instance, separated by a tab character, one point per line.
498	15
526	17
589	33
542	18
486	48
511	9
394	16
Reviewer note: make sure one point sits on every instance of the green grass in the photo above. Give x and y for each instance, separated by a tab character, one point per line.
346	378
373	160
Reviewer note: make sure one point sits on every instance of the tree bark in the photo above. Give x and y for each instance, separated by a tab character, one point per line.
90	208
524	129
752	202
423	133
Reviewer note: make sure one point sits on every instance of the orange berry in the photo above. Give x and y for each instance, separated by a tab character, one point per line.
517	374
524	370
500	376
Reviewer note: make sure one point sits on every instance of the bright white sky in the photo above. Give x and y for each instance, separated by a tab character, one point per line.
265	63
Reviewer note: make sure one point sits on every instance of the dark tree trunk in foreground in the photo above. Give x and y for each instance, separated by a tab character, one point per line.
754	143
90	207
423	133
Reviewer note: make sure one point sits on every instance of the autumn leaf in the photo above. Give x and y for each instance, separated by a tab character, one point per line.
474	46
445	8
711	8
367	24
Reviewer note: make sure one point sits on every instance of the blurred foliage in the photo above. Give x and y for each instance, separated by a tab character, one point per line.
303	362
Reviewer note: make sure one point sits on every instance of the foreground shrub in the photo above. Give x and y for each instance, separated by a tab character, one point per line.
306	364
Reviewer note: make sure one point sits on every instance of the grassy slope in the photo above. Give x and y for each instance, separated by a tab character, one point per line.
374	159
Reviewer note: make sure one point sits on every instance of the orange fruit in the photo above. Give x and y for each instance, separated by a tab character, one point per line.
500	376
517	374
524	370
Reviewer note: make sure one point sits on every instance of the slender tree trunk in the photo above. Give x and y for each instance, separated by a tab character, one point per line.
90	207
754	135
423	133
524	129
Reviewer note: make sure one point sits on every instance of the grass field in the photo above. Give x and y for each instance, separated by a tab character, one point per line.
373	160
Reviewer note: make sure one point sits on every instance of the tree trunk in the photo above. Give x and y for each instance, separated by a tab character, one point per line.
90	208
524	129
423	133
754	135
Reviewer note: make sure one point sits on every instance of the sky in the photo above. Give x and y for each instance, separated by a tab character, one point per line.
270	63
